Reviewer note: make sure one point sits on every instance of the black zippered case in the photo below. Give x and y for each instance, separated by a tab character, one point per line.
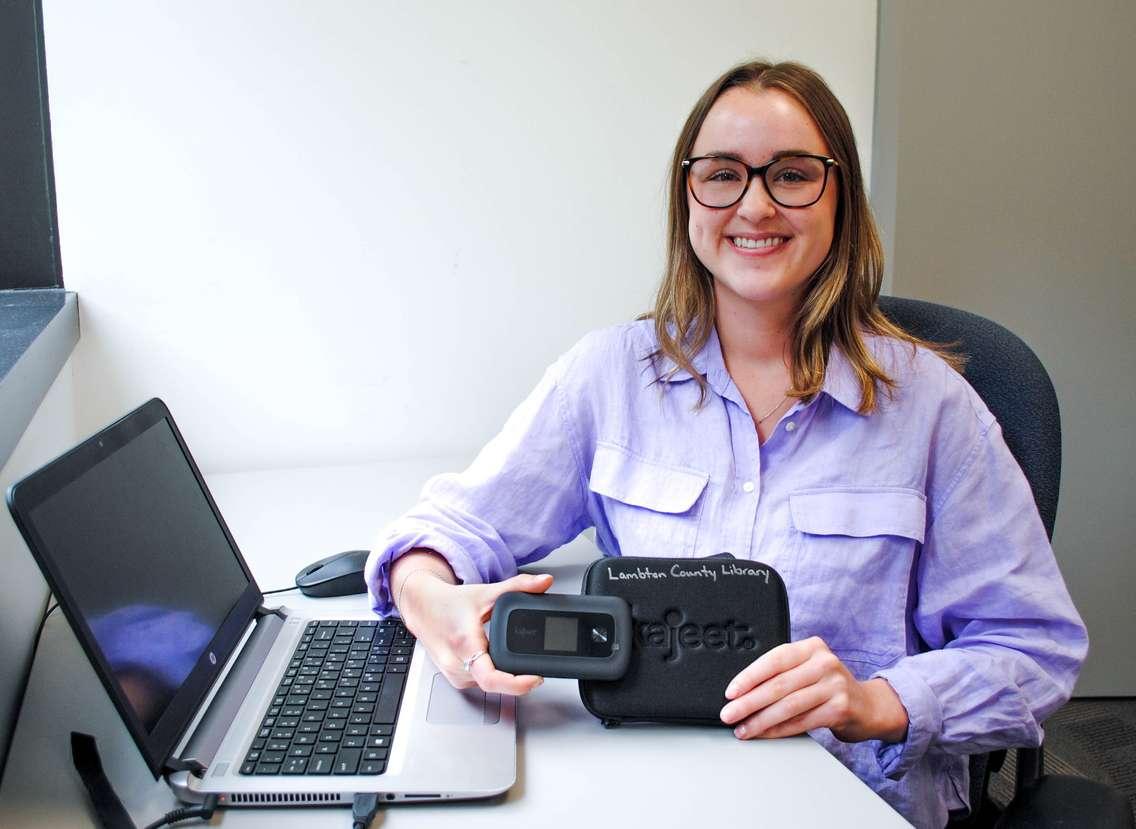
696	624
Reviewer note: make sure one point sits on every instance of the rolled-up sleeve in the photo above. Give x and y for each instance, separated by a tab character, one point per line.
523	496
1004	643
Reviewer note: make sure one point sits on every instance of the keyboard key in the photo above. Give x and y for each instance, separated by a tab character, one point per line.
372	767
267	768
320	764
295	765
387	708
347	761
272	757
248	768
354	741
375	754
382	730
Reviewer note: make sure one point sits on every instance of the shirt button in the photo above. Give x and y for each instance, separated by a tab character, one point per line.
790	426
748	486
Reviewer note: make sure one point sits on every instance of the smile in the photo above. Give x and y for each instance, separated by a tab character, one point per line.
757	244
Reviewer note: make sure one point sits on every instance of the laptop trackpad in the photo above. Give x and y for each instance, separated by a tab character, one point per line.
470	706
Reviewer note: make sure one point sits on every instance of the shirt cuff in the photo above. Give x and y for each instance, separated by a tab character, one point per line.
392	548
924	721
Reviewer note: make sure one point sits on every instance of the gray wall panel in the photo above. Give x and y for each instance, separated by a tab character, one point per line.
1012	198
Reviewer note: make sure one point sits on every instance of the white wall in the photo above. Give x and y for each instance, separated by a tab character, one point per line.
329	232
50	432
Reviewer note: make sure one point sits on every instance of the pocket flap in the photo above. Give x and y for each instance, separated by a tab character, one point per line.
860	512
630	479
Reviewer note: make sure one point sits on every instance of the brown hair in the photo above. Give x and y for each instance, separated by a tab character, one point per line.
840	297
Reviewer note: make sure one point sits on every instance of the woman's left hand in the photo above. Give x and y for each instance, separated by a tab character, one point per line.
803	685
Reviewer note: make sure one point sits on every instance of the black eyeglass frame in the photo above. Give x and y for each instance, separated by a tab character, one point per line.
688	165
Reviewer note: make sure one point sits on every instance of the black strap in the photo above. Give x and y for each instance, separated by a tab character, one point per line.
85	755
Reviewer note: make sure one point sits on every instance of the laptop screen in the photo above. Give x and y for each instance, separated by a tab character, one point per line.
144	567
149	567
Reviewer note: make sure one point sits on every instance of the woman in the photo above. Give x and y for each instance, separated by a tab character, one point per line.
768	409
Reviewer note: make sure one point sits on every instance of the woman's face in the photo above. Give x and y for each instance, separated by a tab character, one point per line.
754	126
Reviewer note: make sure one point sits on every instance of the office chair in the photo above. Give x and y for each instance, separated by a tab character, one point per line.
1013	383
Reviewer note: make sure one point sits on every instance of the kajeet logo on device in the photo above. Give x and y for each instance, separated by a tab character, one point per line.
674	633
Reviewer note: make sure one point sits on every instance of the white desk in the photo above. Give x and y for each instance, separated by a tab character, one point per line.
570	770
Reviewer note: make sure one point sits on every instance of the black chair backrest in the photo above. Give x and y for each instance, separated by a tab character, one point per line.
1009	378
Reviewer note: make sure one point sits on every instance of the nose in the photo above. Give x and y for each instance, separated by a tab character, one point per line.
756	203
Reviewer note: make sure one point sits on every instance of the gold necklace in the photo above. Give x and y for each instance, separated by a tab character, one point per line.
771	411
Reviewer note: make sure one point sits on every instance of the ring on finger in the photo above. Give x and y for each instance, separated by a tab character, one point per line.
467	665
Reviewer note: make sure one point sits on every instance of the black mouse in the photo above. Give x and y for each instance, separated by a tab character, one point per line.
337	575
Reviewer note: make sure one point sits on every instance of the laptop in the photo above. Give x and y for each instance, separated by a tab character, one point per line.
222	693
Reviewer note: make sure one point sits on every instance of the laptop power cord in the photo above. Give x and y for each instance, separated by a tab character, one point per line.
204	811
363	810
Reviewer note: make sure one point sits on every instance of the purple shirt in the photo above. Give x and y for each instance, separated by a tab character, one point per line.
908	539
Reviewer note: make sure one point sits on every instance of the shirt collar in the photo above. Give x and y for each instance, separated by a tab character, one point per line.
840	381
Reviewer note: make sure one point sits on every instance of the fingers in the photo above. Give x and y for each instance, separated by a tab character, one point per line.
773	689
494	681
790	715
777	661
452	656
523	583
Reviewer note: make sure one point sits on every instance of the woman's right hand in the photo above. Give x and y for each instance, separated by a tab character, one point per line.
447	619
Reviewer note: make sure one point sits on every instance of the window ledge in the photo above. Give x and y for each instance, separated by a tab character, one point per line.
38	331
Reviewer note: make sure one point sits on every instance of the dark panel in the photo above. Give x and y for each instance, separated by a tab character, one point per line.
29	229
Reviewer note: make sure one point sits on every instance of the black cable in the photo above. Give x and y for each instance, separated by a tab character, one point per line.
42	622
204	811
363	810
281	590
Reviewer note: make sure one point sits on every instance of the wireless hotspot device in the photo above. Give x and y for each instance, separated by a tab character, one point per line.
577	637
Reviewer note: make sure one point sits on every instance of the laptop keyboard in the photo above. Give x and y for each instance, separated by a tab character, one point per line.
335	709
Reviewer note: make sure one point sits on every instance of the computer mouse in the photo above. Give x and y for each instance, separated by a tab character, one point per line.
337	575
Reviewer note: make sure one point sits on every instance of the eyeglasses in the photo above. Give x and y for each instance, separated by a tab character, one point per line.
791	181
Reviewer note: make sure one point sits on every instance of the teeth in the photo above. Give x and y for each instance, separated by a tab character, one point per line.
758	243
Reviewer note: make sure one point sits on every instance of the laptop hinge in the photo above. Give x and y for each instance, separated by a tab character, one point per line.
202	746
271	611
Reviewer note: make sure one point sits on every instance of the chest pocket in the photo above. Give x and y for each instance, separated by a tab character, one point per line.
652	509
850	576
